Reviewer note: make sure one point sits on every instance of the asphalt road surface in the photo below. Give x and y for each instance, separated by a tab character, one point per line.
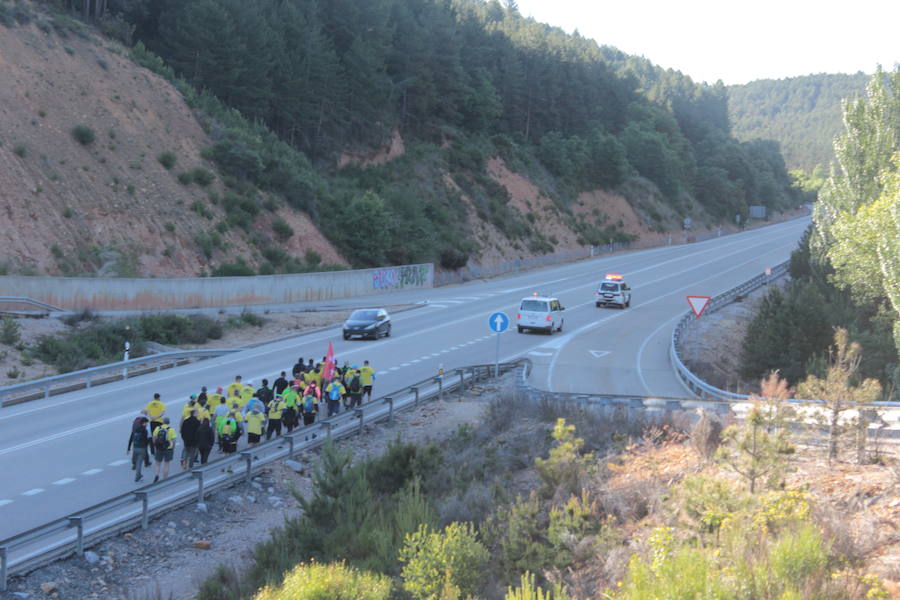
65	453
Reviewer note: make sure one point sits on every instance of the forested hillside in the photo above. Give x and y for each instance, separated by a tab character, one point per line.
302	98
802	114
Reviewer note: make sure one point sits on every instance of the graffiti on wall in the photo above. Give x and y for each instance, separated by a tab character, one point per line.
397	278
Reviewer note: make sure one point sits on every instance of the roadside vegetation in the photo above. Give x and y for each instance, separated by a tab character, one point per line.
539	503
845	272
92	341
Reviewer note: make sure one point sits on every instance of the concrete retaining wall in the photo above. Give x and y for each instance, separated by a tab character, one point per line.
77	293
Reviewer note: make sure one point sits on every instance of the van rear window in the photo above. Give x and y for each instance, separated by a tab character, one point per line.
609	287
534	306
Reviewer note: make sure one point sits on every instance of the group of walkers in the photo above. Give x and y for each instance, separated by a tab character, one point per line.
220	419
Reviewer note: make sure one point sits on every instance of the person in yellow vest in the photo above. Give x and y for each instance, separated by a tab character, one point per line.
347	377
235	385
276	407
334	393
155	412
247	392
164	447
367	378
237	414
189	406
255	419
235	397
291	400
214	399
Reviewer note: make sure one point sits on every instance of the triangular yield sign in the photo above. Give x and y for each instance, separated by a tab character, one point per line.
698	304
599	353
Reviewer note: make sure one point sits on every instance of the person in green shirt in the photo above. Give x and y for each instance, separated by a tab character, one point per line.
276	408
291	399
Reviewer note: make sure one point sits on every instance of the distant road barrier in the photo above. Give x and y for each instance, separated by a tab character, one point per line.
698	386
97	293
76	380
74	533
20	300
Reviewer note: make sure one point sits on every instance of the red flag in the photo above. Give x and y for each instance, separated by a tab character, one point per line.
328	367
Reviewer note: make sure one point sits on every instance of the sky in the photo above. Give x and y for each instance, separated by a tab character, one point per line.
737	42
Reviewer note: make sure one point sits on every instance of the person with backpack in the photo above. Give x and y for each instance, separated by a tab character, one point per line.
298	369
265	394
205	440
229	435
163	448
220	414
276	408
138	443
135	423
280	384
354	389
310	405
333	394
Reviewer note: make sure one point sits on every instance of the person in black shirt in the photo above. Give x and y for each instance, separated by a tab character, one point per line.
205	440
189	437
281	384
138	442
265	394
298	368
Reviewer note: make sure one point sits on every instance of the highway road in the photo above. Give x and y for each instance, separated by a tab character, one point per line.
67	452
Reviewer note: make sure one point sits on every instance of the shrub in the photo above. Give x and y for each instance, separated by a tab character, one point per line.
208	242
438	560
167	159
565	468
201	176
238	269
312	257
21	150
185	178
452	259
282	229
10	331
335	581
529	590
83	134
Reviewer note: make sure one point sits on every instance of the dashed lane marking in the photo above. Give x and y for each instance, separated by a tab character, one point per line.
536	353
5	502
119	463
405	365
64	481
436	306
382	373
92	472
415	360
33	492
394	369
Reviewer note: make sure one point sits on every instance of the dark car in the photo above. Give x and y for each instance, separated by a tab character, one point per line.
368	323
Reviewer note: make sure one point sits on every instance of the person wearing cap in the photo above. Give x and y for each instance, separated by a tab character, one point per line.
215	398
189	406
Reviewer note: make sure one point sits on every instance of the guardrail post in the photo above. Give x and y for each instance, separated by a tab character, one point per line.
79	540
358	412
328	425
3	568
415	390
145	508
47	391
462	381
390	402
290	439
199	475
440	382
248	458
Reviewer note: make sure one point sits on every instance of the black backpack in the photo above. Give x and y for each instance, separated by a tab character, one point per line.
354	384
161	439
139	436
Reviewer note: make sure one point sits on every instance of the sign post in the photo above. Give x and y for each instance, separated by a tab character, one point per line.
498	322
698	304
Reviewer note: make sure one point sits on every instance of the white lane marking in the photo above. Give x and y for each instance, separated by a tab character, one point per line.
600	353
415	360
405	365
382	373
119	463
394	369
92	472
5	502
426	357
584	328
450	301
64	481
33	492
640	353
466	298
536	353
255	353
436	306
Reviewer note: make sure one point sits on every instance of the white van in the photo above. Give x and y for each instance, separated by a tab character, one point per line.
540	313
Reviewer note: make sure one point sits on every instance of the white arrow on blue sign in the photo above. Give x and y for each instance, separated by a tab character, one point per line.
498	322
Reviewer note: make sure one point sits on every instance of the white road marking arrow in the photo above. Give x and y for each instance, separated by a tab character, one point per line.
599	353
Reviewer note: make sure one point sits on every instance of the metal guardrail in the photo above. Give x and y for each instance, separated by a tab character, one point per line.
86	378
58	539
29	302
698	386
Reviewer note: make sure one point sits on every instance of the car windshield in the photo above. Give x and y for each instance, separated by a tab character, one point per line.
609	287
364	315
534	305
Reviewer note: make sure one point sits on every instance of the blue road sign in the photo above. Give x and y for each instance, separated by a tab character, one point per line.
498	322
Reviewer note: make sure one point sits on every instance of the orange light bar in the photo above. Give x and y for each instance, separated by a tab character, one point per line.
613	276
534	294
